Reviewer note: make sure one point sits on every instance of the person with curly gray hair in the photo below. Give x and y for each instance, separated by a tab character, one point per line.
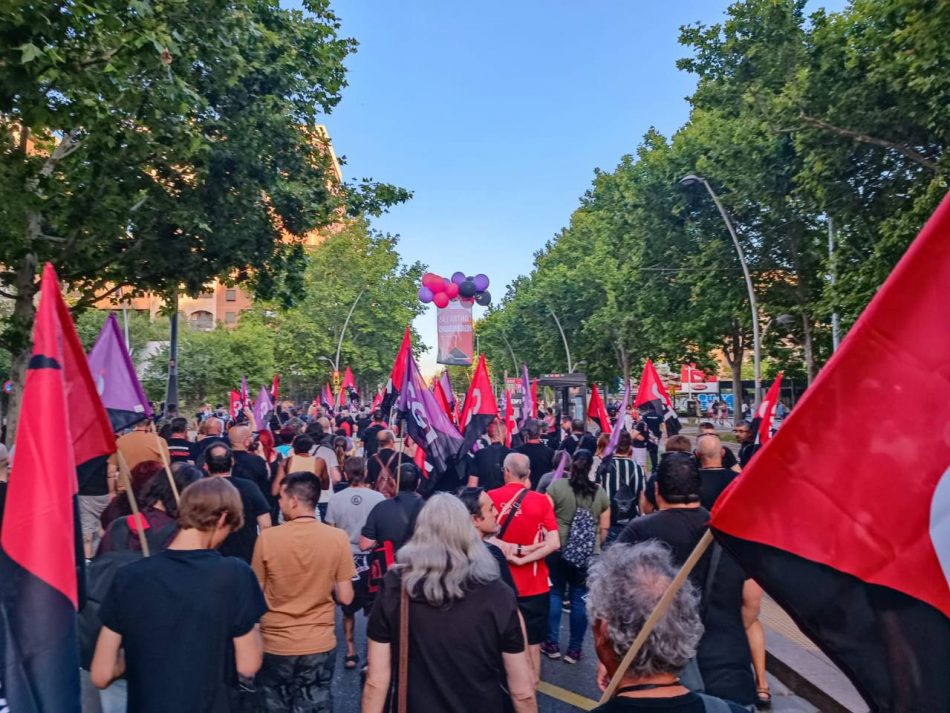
625	585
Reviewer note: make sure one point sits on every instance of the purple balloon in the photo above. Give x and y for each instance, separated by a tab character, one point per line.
458	277
425	295
481	282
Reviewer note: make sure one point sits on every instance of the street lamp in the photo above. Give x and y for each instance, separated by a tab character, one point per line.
692	180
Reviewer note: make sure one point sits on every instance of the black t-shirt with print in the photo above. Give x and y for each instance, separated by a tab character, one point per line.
177	612
393	520
653	421
241	543
182	450
455	651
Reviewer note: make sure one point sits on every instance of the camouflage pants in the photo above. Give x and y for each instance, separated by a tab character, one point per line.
296	684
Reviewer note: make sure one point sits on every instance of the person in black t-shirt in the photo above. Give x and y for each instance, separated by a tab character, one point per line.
713	475
246	464
729	460
488	462
394	520
219	462
746	437
724	658
465	637
186	617
539	455
654	422
625	585
180	448
385	456
370	445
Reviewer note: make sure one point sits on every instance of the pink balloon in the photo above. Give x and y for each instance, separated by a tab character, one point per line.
441	300
430	280
452	290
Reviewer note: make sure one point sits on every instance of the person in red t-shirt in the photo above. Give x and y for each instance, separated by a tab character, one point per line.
527	534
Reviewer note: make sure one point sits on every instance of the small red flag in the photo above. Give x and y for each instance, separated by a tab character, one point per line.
480	407
397	375
596	411
235	405
274	388
766	413
652	389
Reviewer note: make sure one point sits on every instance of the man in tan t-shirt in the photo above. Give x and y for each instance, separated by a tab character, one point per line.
142	444
299	565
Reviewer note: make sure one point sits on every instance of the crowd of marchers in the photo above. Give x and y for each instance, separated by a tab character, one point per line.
255	534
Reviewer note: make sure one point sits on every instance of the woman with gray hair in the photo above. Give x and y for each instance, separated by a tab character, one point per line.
465	641
625	585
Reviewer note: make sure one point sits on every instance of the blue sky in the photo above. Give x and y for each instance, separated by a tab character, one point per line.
495	114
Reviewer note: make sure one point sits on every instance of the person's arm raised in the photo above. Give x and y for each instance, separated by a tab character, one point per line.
249	652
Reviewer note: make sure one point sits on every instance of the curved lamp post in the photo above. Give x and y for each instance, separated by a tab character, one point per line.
692	180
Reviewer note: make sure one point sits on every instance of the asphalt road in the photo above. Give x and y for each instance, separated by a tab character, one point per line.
565	688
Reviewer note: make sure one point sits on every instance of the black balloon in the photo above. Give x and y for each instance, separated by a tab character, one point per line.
484	298
467	289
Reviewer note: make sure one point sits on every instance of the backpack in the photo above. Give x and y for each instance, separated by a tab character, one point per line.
385	481
100	574
581	538
625	503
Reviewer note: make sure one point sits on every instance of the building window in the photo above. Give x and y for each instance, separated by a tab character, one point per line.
201	320
230	295
230	317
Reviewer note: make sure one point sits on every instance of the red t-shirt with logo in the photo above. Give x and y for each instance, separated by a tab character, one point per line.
532	520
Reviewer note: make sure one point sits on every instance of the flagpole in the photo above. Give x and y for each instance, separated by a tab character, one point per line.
657	614
137	516
168	470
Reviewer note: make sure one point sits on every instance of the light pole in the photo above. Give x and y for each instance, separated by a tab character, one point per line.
692	180
567	349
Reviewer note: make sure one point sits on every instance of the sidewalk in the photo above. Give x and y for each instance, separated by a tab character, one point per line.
800	664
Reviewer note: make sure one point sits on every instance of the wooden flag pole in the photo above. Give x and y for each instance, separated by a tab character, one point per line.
168	468
139	519
658	612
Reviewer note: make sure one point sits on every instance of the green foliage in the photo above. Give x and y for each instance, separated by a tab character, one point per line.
794	120
300	342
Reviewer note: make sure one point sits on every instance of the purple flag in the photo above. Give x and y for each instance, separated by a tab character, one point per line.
527	405
115	378
447	388
561	466
262	408
618	426
426	422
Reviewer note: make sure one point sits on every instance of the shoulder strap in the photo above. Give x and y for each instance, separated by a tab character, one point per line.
515	507
402	690
710	578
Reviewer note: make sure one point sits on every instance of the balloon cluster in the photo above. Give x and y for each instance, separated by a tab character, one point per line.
466	289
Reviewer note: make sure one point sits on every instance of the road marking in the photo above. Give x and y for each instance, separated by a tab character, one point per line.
566	696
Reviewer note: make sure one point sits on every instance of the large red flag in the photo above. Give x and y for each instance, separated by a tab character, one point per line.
439	392
596	411
480	407
38	578
845	521
397	375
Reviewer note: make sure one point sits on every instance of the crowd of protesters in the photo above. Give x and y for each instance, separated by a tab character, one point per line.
255	534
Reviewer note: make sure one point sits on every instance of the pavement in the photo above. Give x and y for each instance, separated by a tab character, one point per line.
565	688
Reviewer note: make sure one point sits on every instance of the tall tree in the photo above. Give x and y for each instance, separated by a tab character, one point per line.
142	146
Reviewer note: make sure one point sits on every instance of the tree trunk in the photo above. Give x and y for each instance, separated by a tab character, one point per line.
734	353
625	365
21	348
808	347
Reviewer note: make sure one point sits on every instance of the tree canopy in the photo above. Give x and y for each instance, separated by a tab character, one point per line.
795	121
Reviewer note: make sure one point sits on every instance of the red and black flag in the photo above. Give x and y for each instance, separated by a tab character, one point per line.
326	397
654	395
848	526
275	388
765	415
397	375
511	425
596	411
349	385
39	588
480	407
438	391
